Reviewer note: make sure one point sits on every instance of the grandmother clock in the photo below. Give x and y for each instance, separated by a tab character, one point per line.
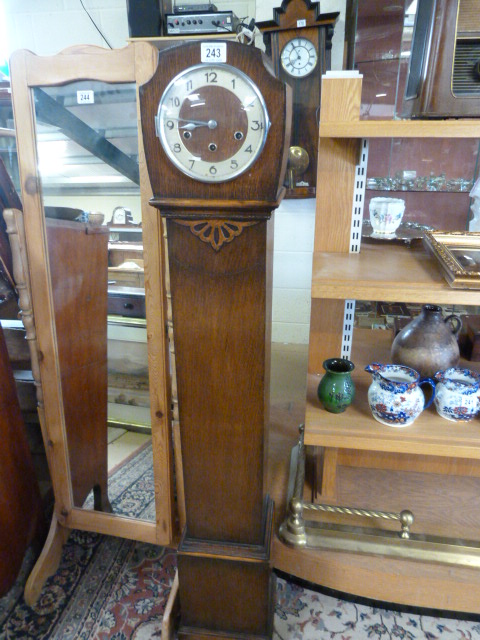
215	127
299	41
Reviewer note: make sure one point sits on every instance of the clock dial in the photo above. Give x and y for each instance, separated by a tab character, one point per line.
299	57
212	122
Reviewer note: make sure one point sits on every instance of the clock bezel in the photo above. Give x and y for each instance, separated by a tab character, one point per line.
161	133
311	46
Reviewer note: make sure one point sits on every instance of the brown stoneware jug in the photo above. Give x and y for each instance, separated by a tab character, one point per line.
429	342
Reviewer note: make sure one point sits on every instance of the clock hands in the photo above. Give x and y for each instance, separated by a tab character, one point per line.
193	124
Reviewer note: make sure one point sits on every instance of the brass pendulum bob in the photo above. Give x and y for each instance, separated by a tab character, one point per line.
298	162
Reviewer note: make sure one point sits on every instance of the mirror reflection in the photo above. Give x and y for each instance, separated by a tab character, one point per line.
88	164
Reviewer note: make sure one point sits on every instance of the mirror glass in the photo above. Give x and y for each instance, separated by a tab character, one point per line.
88	164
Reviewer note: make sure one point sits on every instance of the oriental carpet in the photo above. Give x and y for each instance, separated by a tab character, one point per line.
116	589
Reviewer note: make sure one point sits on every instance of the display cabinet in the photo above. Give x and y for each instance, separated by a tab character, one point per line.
433	176
431	467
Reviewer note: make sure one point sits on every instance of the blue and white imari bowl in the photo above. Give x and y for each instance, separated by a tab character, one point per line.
458	394
395	395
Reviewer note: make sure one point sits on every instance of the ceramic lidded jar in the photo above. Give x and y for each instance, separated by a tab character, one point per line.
336	390
429	342
457	395
395	395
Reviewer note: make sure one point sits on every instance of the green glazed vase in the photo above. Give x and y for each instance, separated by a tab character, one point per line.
336	390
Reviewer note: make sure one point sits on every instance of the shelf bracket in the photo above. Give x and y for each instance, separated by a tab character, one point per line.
359	198
355	241
347	336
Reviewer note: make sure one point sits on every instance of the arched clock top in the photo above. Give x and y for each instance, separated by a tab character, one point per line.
291	12
215	128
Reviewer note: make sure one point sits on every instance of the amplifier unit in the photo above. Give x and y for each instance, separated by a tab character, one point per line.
179	24
194	8
444	72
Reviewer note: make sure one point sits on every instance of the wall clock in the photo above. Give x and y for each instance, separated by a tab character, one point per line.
299	57
299	41
215	126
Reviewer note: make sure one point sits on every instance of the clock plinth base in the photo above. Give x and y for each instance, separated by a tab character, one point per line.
227	590
225	598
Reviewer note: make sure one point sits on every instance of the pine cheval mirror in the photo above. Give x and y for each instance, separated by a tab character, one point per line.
79	146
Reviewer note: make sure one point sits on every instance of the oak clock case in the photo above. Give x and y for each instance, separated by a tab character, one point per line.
301	63
216	202
257	180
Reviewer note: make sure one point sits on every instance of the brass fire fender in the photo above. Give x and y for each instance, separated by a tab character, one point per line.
314	534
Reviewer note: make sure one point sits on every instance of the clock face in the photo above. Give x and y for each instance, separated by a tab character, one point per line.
299	57
212	122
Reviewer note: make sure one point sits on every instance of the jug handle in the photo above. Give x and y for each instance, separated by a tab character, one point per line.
455	323
431	382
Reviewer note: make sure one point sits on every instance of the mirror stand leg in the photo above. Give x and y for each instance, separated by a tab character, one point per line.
47	562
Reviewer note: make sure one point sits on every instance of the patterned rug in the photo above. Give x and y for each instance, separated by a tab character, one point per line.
131	487
307	614
111	588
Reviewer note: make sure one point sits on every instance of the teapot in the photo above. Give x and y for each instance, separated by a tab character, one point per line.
395	395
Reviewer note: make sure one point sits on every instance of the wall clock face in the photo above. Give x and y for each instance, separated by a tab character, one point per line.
299	57
212	122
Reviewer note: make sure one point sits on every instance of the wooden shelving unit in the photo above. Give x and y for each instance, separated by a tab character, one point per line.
378	272
352	450
403	274
356	429
450	128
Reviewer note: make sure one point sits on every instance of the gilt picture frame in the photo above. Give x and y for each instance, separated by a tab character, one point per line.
458	253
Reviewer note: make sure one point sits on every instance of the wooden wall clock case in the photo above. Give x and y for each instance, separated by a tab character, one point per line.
220	260
298	28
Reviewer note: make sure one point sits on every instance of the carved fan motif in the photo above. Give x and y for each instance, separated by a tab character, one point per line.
216	232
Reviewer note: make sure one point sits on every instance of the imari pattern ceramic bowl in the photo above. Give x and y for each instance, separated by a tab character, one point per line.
457	394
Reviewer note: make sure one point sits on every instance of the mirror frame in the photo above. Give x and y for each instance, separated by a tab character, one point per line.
135	63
